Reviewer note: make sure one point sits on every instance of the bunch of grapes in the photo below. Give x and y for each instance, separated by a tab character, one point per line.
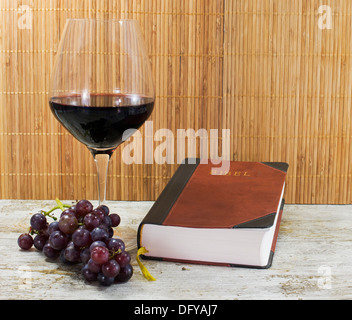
82	235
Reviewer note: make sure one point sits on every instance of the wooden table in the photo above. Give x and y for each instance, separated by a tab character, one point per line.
313	260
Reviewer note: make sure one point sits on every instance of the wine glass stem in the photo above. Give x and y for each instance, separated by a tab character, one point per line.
102	162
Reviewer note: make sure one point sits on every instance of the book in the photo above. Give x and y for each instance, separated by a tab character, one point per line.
229	220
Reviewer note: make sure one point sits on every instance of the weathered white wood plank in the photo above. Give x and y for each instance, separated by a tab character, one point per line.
313	261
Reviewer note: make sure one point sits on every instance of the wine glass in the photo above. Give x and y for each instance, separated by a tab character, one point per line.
102	86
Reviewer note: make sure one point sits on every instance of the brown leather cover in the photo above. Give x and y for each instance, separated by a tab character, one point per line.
247	197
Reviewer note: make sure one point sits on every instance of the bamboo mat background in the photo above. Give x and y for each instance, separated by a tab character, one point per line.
261	68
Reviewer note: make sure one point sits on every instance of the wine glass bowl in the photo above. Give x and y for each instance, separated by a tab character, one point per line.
102	86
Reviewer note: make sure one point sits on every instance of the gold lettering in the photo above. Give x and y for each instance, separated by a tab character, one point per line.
233	173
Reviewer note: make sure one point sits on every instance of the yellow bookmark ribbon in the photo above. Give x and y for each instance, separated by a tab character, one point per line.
144	270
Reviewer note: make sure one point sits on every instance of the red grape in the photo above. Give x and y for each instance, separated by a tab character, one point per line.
40	241
94	267
38	222
54	226
58	240
125	274
105	209
116	245
82	235
91	221
115	220
100	234
85	255
99	213
111	268
100	255
104	280
25	241
89	275
50	252
68	212
72	253
96	244
123	259
68	224
83	207
82	238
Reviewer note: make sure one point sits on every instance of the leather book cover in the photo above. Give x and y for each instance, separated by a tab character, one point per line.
247	197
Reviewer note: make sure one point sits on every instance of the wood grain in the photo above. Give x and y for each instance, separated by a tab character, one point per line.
312	261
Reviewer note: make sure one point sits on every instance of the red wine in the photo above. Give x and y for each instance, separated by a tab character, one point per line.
100	121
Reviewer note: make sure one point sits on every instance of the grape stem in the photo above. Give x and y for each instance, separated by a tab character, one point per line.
114	253
32	232
59	206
